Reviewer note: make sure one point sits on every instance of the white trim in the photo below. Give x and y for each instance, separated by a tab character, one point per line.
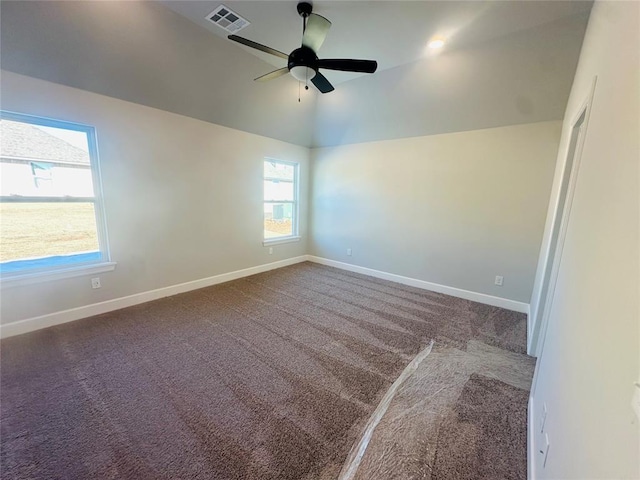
19	280
57	318
541	320
98	203
434	287
279	240
531	442
44	321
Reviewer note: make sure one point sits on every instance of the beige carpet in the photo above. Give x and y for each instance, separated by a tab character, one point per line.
481	437
430	430
268	377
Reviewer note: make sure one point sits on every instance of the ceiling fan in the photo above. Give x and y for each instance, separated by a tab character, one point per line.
303	62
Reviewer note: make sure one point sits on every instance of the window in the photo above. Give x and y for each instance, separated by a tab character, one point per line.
280	201
50	209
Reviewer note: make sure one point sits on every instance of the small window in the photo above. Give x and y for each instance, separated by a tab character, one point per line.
280	200
50	209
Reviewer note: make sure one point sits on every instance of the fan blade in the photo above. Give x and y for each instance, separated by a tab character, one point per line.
315	32
348	65
322	84
272	75
258	46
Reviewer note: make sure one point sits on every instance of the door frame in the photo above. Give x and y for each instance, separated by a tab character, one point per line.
561	213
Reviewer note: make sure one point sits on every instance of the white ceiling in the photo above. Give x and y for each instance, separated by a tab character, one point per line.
505	62
393	33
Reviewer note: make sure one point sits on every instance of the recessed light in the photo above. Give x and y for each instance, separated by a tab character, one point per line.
436	43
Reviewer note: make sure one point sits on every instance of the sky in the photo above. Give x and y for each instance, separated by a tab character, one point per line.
77	139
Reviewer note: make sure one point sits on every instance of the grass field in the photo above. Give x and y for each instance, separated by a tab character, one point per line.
273	228
29	230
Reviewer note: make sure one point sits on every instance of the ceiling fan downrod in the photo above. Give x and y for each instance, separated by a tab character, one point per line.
304	10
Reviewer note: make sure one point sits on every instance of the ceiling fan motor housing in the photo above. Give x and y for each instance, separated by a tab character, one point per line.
304	9
303	56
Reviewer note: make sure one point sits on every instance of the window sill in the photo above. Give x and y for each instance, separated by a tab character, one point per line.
279	240
20	279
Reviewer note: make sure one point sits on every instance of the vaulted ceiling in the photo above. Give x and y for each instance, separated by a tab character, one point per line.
504	63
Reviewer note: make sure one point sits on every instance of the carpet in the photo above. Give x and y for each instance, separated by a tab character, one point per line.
407	439
485	434
271	376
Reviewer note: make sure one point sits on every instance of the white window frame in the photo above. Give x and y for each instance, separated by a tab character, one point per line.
55	272
294	237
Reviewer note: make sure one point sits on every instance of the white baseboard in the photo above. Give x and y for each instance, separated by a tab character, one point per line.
434	287
57	318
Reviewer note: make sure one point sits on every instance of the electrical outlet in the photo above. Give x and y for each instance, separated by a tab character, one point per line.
499	280
349	252
95	282
270	250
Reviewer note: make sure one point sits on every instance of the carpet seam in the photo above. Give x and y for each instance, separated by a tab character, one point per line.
356	455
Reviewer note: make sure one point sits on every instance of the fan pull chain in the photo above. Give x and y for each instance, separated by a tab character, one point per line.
298	92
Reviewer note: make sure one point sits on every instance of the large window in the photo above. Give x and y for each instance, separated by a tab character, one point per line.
50	210
280	201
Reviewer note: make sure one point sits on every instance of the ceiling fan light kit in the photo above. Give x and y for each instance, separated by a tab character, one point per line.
303	62
302	73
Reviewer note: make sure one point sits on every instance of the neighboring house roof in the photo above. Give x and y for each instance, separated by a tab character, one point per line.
275	173
21	140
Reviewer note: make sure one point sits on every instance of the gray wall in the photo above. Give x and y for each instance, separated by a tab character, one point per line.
454	209
183	201
183	197
590	355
